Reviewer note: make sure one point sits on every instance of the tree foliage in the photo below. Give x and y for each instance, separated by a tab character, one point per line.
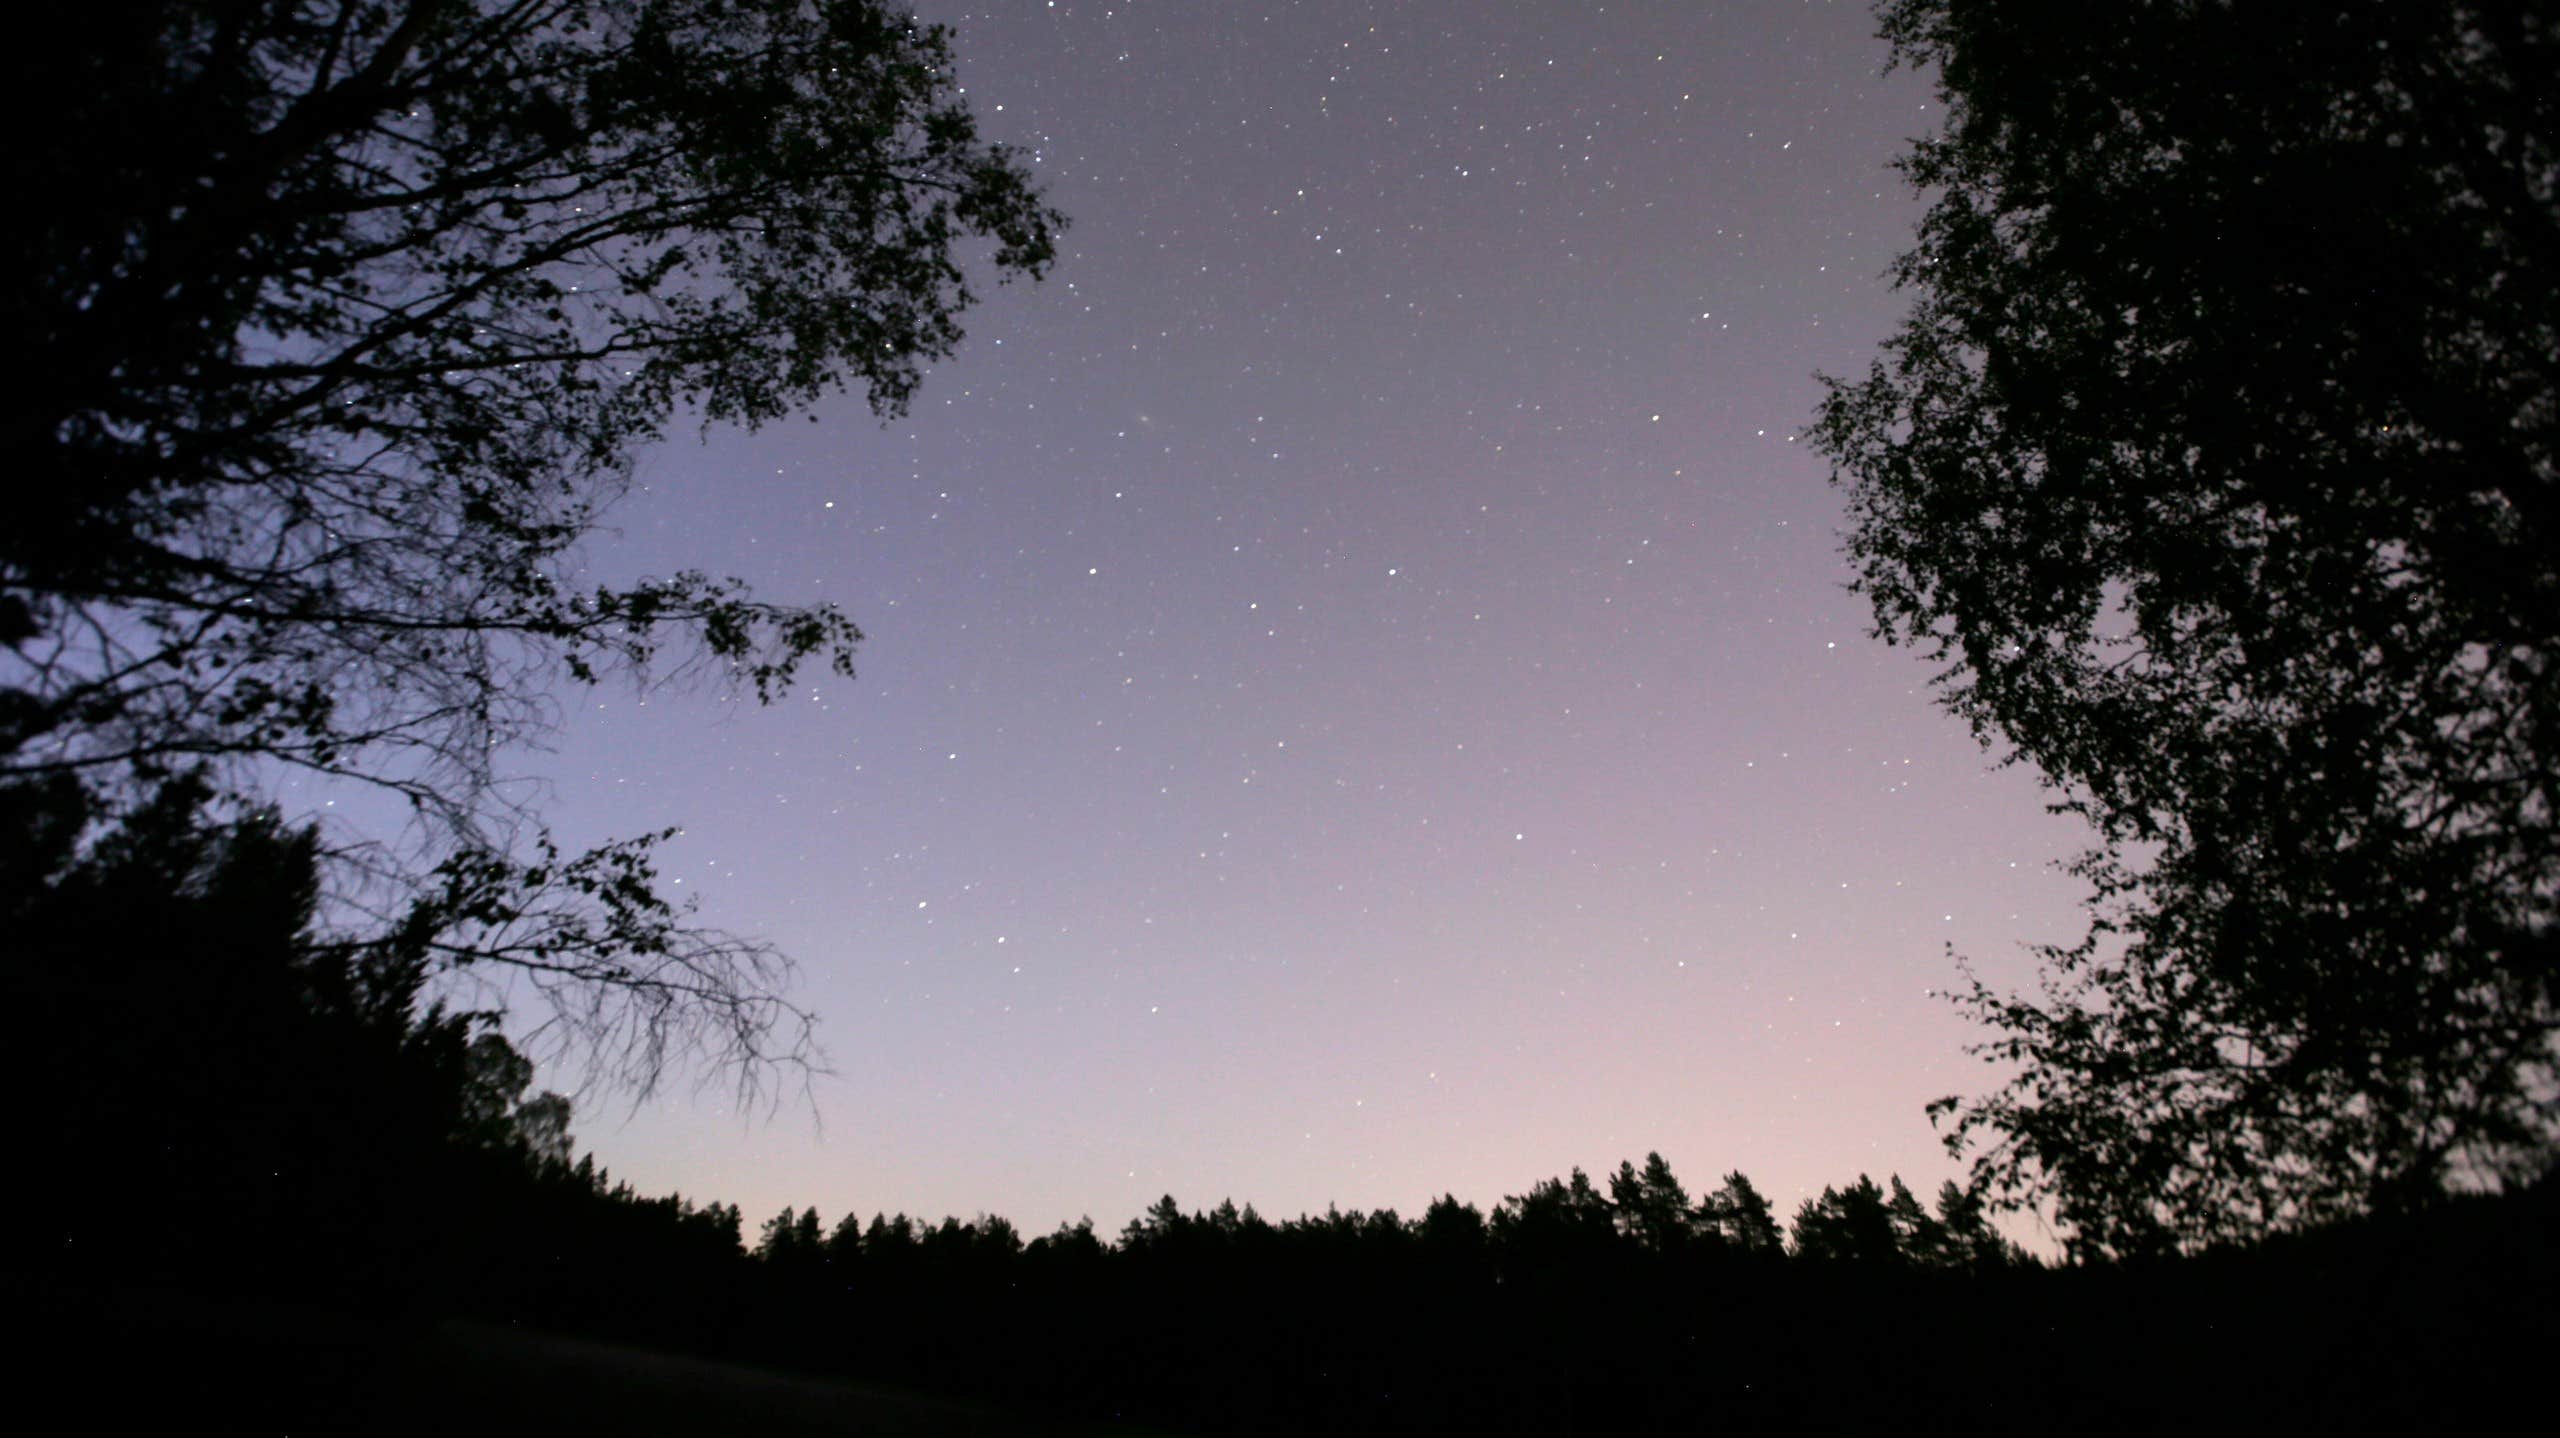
2217	461
1651	1205
1741	1217
1852	1224
341	322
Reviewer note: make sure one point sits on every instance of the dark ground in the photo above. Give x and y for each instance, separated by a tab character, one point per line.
157	1362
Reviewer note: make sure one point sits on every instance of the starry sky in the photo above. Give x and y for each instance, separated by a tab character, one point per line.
1361	699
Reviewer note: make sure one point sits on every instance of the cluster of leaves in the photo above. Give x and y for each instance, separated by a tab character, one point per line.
2219	461
342	321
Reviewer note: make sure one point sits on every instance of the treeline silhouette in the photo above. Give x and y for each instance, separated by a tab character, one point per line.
257	1166
1586	1308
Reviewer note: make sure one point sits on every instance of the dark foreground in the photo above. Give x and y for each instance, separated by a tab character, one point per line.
2440	1326
146	1362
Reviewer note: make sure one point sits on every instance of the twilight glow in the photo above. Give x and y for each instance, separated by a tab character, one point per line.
1361	699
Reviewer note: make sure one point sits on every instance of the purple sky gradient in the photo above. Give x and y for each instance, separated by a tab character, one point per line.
1361	699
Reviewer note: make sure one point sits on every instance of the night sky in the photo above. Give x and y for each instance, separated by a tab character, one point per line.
1361	698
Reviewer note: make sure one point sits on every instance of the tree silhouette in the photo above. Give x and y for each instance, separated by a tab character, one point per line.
1744	1219
1917	1236
1163	1228
192	1034
1557	1223
1652	1207
2216	460
1451	1230
1855	1223
889	1244
844	1242
792	1241
1073	1244
496	1114
343	321
1964	1233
